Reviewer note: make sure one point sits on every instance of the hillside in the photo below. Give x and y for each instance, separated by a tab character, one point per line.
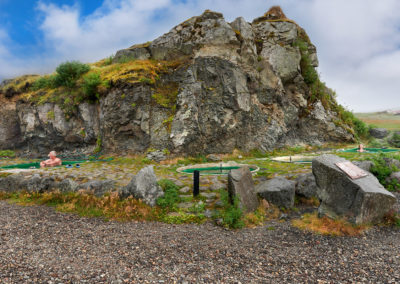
206	86
388	120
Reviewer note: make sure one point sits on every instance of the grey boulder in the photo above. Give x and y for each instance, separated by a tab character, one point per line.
143	186
306	186
379	132
360	200
156	156
67	185
365	165
278	191
240	184
98	187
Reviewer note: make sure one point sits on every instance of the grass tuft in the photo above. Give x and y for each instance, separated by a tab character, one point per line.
327	226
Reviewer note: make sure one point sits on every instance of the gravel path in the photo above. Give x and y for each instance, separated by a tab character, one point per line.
39	245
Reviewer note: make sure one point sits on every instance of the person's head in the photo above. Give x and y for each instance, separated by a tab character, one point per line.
52	155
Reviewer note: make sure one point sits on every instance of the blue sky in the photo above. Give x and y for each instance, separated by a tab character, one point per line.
358	41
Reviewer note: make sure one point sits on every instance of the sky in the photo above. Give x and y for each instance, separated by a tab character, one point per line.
358	41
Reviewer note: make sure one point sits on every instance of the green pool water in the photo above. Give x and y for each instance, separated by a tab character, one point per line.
372	150
214	170
37	165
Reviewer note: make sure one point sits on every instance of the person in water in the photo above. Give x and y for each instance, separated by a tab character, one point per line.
52	162
360	148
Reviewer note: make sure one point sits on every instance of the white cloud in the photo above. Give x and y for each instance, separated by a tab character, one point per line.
115	25
357	40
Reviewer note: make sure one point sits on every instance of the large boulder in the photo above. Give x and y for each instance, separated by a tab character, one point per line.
360	200
278	191
143	186
379	133
306	186
240	184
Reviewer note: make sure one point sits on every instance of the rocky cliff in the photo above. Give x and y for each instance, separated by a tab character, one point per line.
206	86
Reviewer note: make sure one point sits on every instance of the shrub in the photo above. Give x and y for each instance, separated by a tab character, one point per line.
361	130
7	153
231	214
108	60
382	171
69	72
44	82
99	145
90	83
395	140
171	195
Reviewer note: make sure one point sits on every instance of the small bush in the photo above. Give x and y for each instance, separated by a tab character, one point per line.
90	83
7	154
231	214
69	72
99	145
108	60
382	171
44	82
171	195
395	140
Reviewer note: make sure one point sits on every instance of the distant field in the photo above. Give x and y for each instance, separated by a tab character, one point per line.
385	120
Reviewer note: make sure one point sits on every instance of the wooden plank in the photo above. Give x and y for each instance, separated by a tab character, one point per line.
351	170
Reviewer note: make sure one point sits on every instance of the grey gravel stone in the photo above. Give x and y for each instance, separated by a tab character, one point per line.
42	245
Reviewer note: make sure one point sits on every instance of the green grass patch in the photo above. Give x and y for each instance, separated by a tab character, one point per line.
7	154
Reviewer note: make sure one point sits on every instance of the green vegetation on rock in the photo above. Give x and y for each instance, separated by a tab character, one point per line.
7	153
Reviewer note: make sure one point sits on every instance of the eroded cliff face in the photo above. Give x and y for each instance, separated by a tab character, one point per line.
236	85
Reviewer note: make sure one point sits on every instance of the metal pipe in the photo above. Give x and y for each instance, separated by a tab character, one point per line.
196	183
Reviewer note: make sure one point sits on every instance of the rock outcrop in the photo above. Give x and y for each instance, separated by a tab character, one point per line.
359	200
235	85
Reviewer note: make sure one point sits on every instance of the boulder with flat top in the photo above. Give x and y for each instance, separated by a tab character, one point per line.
360	200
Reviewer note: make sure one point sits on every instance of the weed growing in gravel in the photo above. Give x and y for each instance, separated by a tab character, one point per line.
182	218
256	218
392	218
327	226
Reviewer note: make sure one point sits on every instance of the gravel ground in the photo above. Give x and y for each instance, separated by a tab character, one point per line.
39	245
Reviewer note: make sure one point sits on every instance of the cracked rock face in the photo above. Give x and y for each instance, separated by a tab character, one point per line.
238	85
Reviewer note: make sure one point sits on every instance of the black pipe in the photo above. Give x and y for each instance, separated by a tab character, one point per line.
196	183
